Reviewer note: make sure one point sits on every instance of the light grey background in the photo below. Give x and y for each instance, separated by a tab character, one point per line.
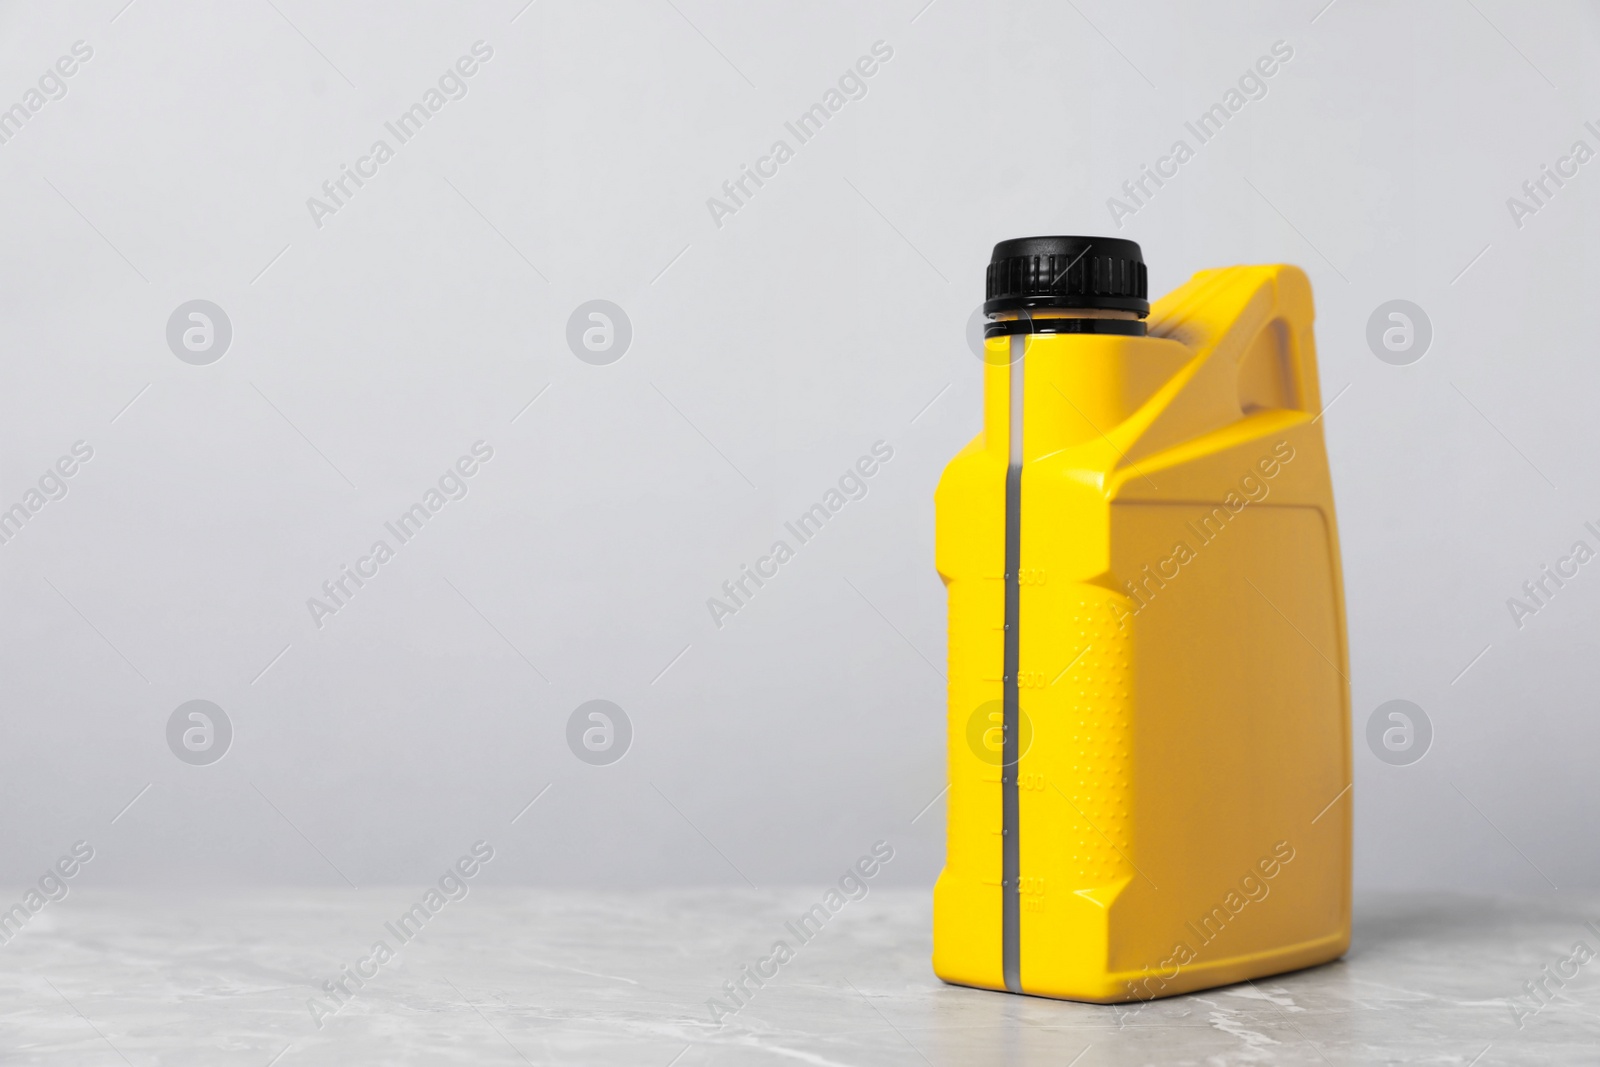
767	355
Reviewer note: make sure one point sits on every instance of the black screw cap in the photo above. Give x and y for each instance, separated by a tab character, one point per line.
1067	272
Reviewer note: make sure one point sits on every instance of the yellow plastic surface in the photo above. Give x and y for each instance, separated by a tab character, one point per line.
1184	798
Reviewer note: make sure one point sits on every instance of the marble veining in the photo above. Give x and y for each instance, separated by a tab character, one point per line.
534	976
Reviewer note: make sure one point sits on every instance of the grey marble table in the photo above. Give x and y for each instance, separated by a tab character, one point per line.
510	977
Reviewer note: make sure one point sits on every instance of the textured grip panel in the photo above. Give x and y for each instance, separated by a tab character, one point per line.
1096	767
